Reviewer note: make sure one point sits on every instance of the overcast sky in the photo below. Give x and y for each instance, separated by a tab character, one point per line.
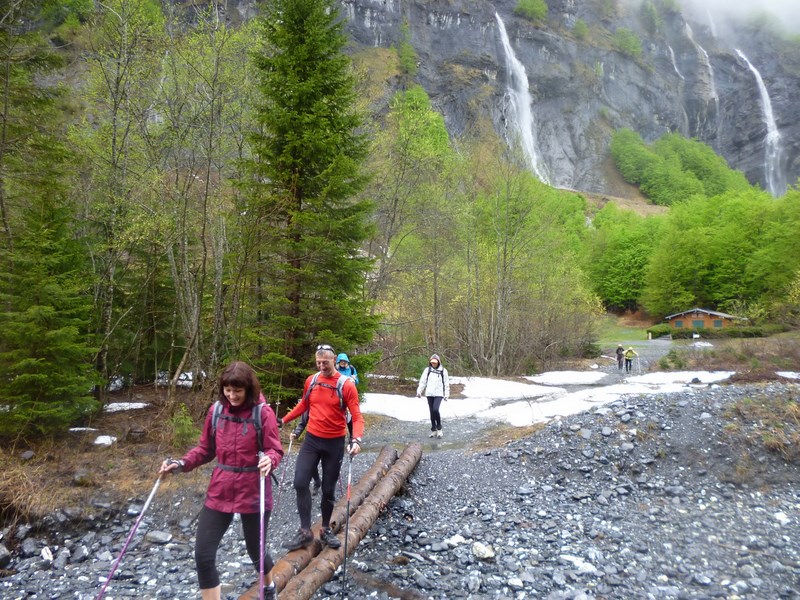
787	12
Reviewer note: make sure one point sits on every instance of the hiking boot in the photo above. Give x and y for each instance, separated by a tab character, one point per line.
439	433
432	434
269	592
328	539
301	539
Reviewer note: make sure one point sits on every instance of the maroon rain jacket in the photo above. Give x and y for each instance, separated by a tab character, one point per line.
236	446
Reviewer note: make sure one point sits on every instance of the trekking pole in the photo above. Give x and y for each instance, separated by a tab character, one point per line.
347	525
283	477
341	486
261	482
130	536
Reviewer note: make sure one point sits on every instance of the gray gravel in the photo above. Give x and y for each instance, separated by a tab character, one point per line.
643	498
648	497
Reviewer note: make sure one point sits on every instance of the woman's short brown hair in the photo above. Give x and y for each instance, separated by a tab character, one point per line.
239	374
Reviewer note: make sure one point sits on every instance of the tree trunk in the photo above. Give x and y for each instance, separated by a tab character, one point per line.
321	569
294	562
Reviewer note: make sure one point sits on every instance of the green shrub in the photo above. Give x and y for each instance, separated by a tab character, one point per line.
756	331
406	54
676	359
533	10
627	42
184	432
660	330
650	17
590	350
580	30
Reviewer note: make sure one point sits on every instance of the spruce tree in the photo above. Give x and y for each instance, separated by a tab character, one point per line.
45	357
301	196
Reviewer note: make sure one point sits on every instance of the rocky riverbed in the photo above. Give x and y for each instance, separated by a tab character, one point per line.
650	496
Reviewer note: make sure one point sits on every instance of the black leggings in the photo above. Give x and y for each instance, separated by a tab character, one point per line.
211	526
434	402
314	450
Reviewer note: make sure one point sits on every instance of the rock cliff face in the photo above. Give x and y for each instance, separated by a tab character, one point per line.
686	80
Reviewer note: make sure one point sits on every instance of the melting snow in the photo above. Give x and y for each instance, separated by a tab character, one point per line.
118	406
521	404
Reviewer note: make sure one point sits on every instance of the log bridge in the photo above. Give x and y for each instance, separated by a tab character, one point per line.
300	573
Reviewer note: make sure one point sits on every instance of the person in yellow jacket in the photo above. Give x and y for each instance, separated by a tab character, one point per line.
629	355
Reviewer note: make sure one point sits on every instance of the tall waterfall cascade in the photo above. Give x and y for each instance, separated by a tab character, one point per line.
519	99
773	150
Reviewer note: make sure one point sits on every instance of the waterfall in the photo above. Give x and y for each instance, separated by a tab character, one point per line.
711	25
706	63
520	100
674	64
772	142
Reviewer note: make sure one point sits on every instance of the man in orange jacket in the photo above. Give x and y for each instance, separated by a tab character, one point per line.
327	402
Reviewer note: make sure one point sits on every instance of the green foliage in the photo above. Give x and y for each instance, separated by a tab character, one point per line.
580	30
608	8
533	10
44	301
627	42
674	168
660	330
619	254
406	55
58	12
118	182
44	354
184	431
301	192
674	359
650	18
724	244
755	331
712	252
698	159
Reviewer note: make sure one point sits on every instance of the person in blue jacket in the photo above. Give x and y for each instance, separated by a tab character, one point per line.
345	368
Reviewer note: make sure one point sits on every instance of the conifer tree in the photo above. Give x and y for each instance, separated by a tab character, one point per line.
45	357
301	195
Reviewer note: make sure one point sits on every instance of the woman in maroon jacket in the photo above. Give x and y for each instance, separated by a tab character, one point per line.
234	486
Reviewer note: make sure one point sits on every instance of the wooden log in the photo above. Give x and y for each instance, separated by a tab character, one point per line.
322	568
295	561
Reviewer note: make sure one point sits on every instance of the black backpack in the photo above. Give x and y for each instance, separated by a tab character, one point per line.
255	419
339	385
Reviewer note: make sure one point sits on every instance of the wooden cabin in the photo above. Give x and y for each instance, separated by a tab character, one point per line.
700	318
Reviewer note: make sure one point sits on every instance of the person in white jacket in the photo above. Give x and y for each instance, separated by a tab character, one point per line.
435	386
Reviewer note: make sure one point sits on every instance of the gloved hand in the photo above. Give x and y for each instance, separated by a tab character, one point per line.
171	465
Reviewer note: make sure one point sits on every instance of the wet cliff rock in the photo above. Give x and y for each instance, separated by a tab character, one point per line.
687	79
